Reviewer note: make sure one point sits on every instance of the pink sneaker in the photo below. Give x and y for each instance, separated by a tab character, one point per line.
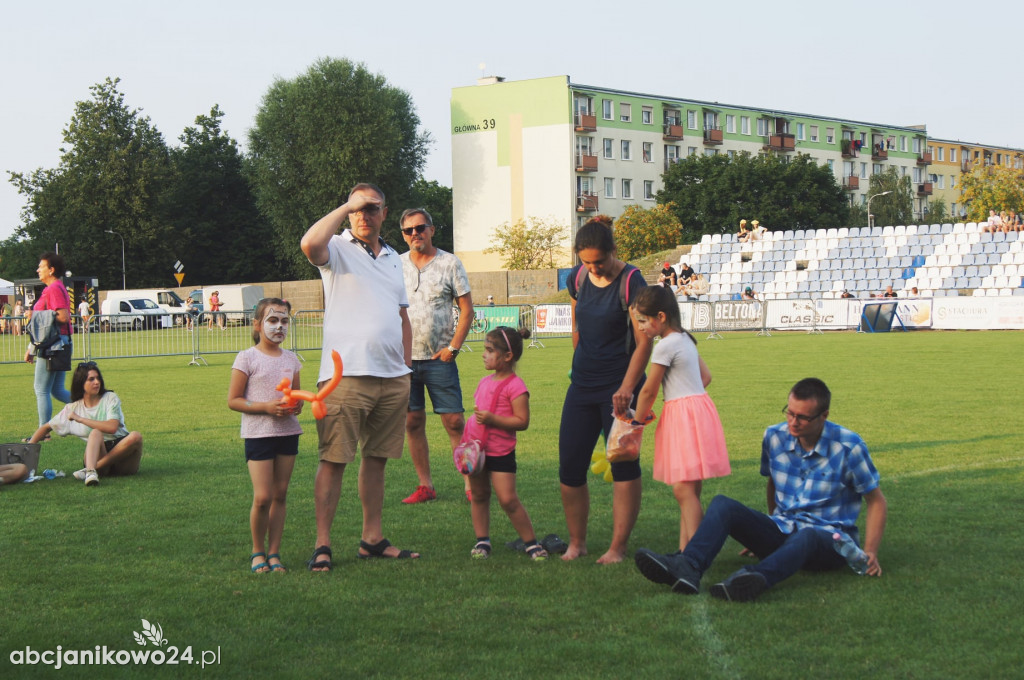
422	494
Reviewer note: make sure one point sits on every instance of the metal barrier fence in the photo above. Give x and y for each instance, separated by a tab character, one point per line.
114	337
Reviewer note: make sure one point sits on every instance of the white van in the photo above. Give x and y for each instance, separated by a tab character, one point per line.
174	308
136	313
236	301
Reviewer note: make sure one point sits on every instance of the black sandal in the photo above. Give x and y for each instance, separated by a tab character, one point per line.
320	565
378	551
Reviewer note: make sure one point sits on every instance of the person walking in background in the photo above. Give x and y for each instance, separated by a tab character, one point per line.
270	427
610	354
366	321
818	473
55	298
215	306
84	312
501	408
689	444
435	281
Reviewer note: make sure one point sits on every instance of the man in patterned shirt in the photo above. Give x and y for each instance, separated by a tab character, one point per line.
817	472
434	281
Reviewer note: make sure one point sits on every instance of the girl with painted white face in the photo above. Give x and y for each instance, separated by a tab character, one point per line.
270	427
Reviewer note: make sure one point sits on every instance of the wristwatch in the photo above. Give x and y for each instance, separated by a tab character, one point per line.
454	351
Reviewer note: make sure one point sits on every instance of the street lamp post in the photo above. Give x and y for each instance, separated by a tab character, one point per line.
124	286
871	218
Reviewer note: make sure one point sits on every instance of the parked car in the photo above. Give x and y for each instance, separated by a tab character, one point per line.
130	313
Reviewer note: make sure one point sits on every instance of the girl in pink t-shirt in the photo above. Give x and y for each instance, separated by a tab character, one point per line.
501	408
270	427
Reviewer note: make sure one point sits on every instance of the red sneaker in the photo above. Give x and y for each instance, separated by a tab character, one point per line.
422	494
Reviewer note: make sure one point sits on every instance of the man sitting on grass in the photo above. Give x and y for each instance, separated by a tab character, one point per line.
817	472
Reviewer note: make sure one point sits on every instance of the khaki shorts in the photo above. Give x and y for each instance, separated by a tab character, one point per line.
364	413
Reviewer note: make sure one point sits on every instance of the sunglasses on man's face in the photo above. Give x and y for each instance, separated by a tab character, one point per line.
419	229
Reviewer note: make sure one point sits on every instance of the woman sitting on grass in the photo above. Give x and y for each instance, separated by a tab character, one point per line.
95	415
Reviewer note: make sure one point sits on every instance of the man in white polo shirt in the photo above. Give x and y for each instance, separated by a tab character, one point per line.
366	321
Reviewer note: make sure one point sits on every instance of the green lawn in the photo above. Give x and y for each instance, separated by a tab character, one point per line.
939	411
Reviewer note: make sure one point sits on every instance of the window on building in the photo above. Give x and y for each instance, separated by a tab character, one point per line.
609	146
916	175
647	115
625	155
917	145
903	143
745	125
830	135
814	133
648	152
691	120
952	155
800	131
941	153
931	150
691	151
863	170
585	146
606	109
952	206
732	154
863	139
710	120
730	123
903	171
671	154
952	184
762	127
831	165
672	117
941	183
710	152
627	188
609	187
876	168
625	112
848	168
648	190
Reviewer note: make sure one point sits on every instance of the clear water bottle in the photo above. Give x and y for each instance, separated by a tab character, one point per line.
50	473
851	552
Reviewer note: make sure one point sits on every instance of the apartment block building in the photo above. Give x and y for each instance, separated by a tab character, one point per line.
952	158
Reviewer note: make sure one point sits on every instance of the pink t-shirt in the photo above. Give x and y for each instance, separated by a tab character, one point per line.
265	373
499	442
54	297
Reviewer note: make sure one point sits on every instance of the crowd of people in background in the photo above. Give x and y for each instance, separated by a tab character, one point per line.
1005	222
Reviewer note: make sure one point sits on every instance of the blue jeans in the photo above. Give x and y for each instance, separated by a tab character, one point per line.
781	554
47	384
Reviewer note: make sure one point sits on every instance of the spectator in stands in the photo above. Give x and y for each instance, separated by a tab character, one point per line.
667	277
757	232
889	293
743	234
846	294
748	293
686	273
994	223
697	286
913	291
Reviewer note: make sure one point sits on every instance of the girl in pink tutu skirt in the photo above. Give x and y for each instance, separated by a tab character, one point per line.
689	445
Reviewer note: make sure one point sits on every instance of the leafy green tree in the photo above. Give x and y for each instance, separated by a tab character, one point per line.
18	258
532	243
219	234
713	193
437	200
992	187
898	206
640	231
320	134
936	212
113	167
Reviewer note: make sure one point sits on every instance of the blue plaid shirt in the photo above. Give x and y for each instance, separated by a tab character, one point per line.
821	488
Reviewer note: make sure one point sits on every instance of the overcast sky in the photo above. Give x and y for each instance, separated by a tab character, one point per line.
953	66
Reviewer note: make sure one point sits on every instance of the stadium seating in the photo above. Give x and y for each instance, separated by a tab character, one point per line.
939	259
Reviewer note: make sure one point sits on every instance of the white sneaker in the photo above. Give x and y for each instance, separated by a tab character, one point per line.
79	474
91	478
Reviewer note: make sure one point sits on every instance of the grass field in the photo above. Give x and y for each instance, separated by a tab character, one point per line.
940	413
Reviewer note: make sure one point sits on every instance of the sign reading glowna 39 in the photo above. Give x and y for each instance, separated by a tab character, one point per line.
485	124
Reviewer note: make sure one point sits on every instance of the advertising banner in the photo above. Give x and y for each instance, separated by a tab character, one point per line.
554	319
978	313
739	315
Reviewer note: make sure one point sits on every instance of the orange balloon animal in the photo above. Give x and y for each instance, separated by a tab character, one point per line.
293	397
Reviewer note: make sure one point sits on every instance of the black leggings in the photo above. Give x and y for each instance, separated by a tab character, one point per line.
586	414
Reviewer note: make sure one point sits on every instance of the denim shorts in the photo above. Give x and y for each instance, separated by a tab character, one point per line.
441	378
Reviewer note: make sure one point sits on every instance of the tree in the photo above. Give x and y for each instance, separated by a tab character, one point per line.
713	193
436	200
992	187
532	243
936	212
640	232
113	167
898	206
219	234
320	134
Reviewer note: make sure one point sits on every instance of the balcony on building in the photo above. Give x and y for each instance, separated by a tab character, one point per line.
878	153
585	122
586	203
966	166
924	189
851	183
924	158
713	136
585	163
782	141
673	131
849	148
